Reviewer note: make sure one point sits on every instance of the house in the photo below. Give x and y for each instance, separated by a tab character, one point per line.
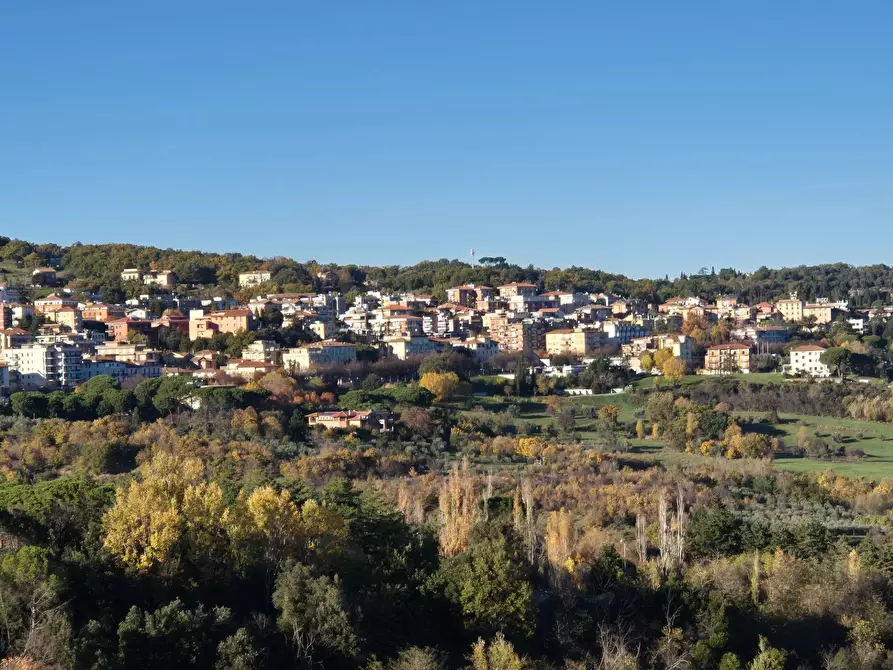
324	330
327	277
298	359
806	359
248	370
6	320
131	274
680	345
43	277
823	311
163	278
347	419
724	359
253	278
576	342
222	321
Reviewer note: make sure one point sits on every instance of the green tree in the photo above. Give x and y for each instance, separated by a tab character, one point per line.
490	584
312	614
837	359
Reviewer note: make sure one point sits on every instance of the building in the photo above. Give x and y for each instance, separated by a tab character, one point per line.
6	318
4	379
44	366
98	311
324	330
253	278
576	342
514	289
806	359
469	294
347	419
680	345
44	277
223	321
120	330
512	335
262	351
131	274
125	352
70	317
120	370
824	312
53	302
299	359
162	278
623	332
14	337
248	370
403	347
725	359
790	309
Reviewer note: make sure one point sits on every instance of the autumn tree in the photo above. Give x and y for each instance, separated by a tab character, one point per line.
442	385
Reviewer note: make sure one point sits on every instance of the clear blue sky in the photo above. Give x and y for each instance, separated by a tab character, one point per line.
639	137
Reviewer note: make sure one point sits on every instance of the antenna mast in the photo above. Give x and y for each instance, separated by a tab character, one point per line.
472	258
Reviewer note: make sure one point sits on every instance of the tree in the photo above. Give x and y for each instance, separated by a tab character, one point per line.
498	655
443	385
674	370
837	359
646	361
312	614
490	585
238	652
768	658
609	414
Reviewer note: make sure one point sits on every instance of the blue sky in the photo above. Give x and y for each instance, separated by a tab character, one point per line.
644	138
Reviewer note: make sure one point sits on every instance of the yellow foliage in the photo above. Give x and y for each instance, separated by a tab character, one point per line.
443	385
530	447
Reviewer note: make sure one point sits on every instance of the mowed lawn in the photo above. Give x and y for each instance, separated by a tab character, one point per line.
872	437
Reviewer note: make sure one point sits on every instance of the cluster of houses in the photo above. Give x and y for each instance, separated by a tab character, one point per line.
78	339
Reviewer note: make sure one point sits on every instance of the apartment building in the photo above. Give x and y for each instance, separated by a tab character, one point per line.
125	352
98	311
222	321
34	367
120	330
791	309
623	332
807	359
576	342
119	370
680	345
253	278
14	337
469	295
407	347
299	359
52	303
262	351
4	379
526	335
515	289
70	317
724	359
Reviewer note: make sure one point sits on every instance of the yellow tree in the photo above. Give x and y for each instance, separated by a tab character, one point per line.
443	385
661	357
609	414
674	370
170	503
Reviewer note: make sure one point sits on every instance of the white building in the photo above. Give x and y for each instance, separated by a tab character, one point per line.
318	353
807	359
120	370
38	366
249	279
406	347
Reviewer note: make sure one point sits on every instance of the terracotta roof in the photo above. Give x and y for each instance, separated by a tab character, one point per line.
515	284
724	347
809	347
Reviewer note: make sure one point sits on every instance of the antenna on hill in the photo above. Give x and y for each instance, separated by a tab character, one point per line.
472	258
